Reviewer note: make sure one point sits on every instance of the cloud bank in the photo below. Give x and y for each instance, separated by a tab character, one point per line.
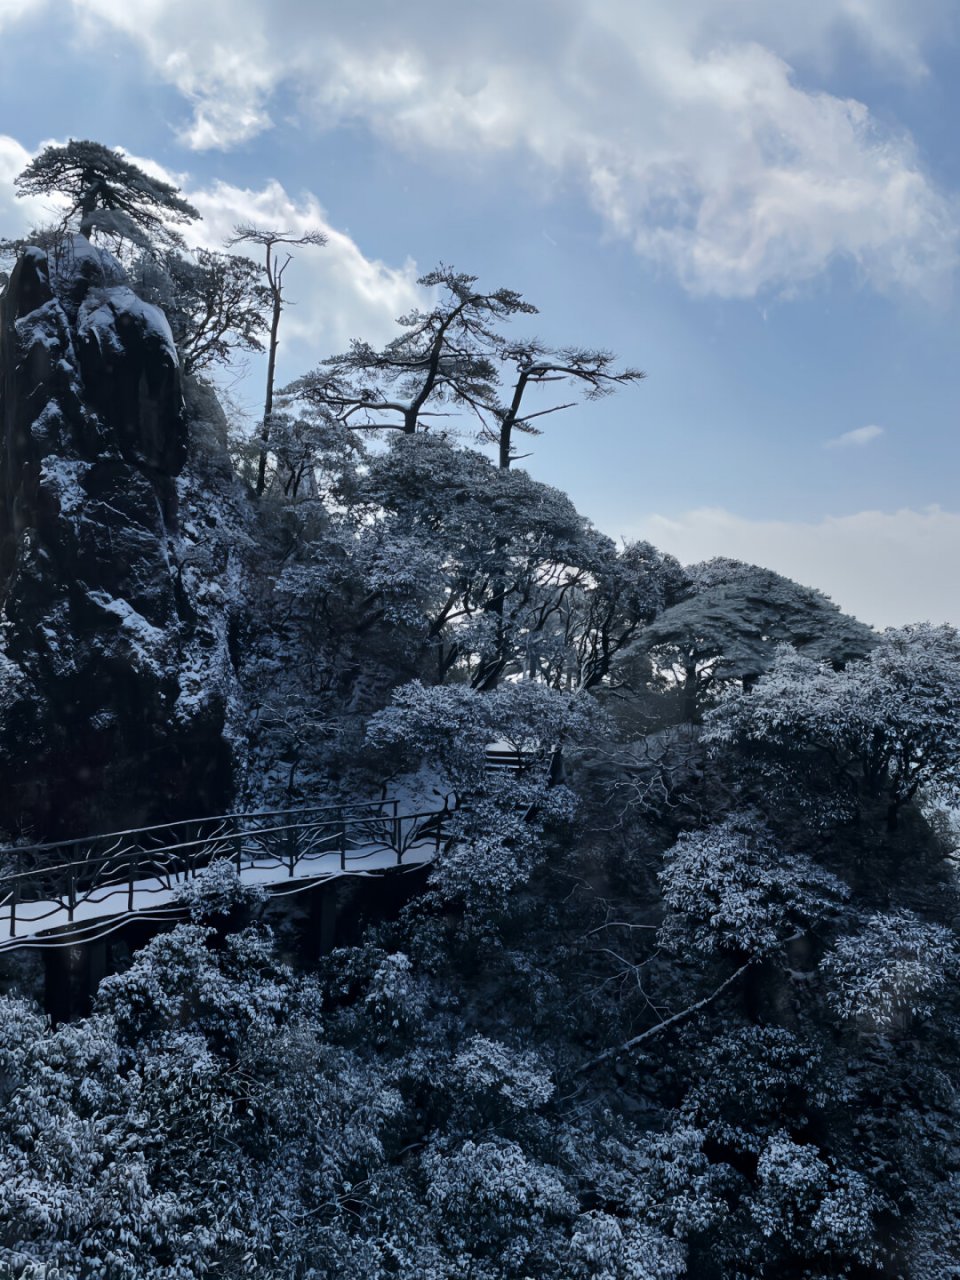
700	133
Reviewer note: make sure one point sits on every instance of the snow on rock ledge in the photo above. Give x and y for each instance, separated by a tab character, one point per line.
132	377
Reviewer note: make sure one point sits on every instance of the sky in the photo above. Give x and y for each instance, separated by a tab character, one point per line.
757	203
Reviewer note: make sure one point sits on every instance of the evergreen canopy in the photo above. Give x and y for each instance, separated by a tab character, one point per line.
107	193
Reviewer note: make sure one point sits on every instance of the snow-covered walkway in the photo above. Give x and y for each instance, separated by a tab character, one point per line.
91	895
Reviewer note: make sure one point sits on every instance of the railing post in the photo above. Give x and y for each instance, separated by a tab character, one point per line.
237	846
343	841
291	849
396	840
133	875
14	901
71	894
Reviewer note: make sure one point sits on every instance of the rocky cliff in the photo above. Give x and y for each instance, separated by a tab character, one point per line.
115	669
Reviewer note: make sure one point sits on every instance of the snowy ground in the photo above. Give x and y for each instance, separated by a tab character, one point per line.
108	907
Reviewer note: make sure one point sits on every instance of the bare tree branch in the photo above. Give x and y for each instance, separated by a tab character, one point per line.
668	1022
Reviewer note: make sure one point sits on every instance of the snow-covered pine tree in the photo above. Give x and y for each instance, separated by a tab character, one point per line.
107	195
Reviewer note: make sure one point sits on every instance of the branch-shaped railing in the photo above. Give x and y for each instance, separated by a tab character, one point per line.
75	882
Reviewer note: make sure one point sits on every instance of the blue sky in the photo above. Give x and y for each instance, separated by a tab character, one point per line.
756	203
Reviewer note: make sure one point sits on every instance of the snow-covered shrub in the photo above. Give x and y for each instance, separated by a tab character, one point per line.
604	1247
750	1081
730	888
497	837
892	971
218	891
497	1202
496	1077
446	726
396	1000
892	718
933	1243
808	1205
177	982
451	726
678	1189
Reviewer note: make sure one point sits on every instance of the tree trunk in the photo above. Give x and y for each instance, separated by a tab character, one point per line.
504	449
88	202
690	708
268	398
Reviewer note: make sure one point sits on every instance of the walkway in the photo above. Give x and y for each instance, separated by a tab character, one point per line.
80	890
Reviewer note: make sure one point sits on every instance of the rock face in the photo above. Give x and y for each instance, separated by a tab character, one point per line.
115	679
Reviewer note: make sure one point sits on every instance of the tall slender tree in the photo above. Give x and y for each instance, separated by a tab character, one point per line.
536	366
276	262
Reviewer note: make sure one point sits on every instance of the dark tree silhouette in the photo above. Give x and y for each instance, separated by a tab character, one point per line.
217	304
107	194
450	358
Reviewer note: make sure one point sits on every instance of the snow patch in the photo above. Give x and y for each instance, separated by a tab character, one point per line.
63	476
101	310
75	256
146	640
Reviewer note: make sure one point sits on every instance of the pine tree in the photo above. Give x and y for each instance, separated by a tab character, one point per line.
107	195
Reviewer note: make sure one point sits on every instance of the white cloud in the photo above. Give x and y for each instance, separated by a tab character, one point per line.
336	292
18	216
12	10
856	438
888	568
687	126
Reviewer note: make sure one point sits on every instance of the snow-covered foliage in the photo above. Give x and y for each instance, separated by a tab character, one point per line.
751	1081
605	1247
452	725
678	994
134	1146
497	835
891	971
811	1207
890	721
730	888
498	1206
486	1069
491	573
218	890
488	549
729	625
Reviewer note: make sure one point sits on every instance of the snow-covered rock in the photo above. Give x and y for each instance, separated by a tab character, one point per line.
112	617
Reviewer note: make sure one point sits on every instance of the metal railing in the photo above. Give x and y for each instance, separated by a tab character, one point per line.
75	882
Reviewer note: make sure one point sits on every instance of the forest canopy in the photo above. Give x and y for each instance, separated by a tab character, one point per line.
677	996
